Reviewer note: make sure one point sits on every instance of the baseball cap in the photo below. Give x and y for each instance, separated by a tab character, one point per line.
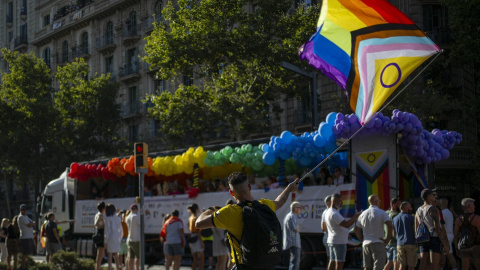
134	206
23	207
426	192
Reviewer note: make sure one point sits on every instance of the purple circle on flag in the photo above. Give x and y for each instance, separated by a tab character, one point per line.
398	79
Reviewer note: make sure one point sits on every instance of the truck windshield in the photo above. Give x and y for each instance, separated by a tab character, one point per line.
47	204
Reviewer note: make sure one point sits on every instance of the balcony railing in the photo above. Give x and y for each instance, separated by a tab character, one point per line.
130	31
129	69
80	51
21	40
105	40
132	108
440	35
9	18
63	58
147	24
302	117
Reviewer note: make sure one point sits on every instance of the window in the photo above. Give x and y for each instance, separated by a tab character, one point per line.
132	60
10	36
109	65
10	9
109	34
133	133
85	42
133	22
65	51
23	8
435	23
46	56
23	30
46	20
220	68
188	79
159	86
132	95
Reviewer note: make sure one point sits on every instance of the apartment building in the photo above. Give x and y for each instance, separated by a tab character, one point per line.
109	35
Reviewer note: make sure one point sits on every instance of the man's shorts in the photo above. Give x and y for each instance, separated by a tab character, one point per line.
12	246
450	241
173	249
26	246
473	252
52	247
337	252
374	254
391	253
123	247
133	249
326	246
407	255
434	246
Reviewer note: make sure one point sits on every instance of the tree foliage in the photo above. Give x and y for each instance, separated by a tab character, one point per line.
235	49
42	130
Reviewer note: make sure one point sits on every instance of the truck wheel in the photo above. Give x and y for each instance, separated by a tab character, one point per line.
307	260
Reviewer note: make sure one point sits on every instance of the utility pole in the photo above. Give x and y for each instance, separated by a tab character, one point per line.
141	167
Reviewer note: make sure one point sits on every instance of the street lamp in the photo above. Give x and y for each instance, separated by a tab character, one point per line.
313	89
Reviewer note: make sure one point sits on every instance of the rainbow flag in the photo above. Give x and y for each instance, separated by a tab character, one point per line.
348	198
373	178
369	48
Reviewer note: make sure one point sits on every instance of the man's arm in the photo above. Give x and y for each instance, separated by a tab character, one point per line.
456	229
348	223
438	227
389	231
283	197
204	221
324	226
55	233
358	233
182	237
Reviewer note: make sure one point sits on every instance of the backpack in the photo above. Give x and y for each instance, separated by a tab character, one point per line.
465	235
261	243
206	232
422	235
16	227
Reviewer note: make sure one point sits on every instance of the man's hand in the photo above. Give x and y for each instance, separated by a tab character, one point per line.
293	186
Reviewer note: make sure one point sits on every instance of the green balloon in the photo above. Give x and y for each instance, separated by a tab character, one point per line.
217	155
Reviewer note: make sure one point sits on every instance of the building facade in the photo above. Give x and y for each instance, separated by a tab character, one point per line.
109	35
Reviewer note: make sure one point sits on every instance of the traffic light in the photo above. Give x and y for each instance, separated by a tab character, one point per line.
141	155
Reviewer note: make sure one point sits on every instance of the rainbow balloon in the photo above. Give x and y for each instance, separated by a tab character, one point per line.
369	48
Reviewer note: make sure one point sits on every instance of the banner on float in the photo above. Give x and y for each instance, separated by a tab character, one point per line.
311	199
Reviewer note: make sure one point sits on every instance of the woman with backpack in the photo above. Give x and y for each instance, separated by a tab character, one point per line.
195	240
13	234
466	234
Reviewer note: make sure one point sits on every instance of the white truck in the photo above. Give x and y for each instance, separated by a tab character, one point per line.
71	199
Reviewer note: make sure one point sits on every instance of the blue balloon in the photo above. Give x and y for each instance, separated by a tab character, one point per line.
266	148
331	118
284	155
305	161
325	130
269	158
319	141
286	137
330	147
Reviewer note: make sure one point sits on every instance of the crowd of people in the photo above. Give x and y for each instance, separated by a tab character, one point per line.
400	240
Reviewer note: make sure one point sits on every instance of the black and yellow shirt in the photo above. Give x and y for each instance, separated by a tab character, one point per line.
230	218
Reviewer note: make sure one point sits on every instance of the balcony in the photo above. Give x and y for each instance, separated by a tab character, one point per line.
106	44
147	24
130	34
146	68
129	72
460	157
9	20
21	43
68	19
303	120
63	59
440	35
80	52
132	109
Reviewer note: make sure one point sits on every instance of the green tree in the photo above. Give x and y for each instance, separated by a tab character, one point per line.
89	114
234	48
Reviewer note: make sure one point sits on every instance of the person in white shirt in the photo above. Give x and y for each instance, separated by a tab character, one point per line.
337	227
370	229
449	220
328	204
338	177
133	240
26	225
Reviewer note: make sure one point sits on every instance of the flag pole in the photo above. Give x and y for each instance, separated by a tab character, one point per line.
371	118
